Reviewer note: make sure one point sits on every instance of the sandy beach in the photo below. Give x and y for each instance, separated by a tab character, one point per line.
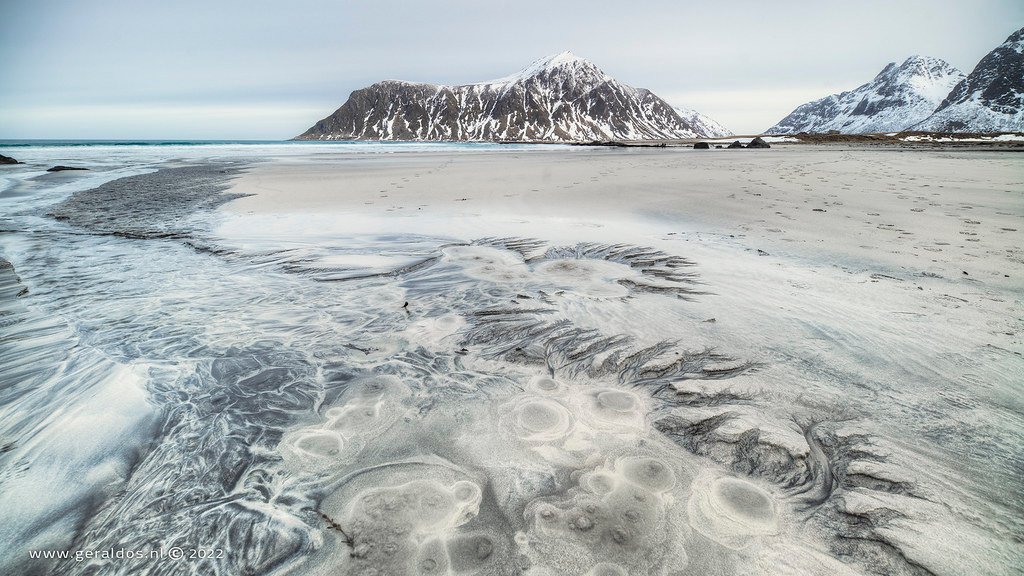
940	231
874	296
533	289
489	359
941	212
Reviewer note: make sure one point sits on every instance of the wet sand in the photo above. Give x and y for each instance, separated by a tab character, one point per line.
941	212
865	303
516	360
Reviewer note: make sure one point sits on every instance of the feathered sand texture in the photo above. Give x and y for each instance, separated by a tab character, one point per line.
547	362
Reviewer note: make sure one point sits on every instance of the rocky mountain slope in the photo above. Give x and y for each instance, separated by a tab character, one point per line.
561	98
990	98
706	127
898	98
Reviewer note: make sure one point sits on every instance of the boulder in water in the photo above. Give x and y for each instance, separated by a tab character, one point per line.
8	160
63	168
758	143
701	146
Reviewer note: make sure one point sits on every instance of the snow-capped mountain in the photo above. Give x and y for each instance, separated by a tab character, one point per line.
706	127
990	98
561	98
898	98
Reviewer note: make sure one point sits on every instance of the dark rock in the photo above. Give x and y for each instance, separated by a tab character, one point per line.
63	168
758	143
701	146
718	145
736	144
8	160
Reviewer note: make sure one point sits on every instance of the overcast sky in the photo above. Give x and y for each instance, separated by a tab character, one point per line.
269	69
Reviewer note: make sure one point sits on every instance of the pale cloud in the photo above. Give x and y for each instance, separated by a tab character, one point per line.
243	68
156	121
744	111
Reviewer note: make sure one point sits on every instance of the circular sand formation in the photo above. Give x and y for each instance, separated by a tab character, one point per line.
615	410
489	264
593	278
731	511
432	558
421	505
648	473
618	522
313	448
368	404
599	482
541	419
469	553
617	401
375	387
319	444
467	493
411	525
744	501
539	416
546	385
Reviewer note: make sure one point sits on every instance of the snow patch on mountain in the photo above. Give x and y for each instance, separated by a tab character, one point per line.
559	98
896	99
564	63
990	98
701	123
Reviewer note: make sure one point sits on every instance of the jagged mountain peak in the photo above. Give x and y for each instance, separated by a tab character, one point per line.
927	67
898	97
561	64
562	59
1016	40
925	63
558	98
990	98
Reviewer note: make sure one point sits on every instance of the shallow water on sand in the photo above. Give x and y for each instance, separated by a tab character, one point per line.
400	404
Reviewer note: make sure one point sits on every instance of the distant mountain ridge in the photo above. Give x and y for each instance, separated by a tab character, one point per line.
896	99
990	98
561	98
927	95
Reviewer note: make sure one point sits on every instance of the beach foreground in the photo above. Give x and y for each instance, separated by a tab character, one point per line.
522	360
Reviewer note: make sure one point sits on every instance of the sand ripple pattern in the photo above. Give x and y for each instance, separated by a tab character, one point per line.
478	411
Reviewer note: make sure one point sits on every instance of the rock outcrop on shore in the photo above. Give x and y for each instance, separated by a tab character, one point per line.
8	160
561	98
